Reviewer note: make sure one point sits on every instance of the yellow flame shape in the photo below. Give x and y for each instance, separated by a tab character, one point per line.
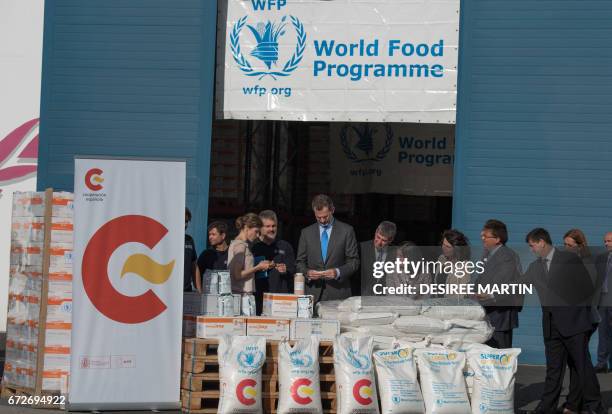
367	391
306	390
147	268
98	179
250	392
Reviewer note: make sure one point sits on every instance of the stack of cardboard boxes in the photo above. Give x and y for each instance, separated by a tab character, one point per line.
285	316
40	291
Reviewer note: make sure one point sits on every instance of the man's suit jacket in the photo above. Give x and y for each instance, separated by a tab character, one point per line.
601	263
367	257
342	254
502	267
564	291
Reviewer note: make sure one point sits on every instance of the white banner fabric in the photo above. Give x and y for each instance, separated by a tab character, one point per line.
128	283
408	159
338	60
20	74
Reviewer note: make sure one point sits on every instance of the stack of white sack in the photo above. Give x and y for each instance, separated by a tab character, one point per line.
444	331
465	320
453	308
352	316
439	320
357	320
400	305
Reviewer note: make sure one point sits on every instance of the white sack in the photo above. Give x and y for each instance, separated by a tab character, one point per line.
241	359
355	377
397	381
442	383
298	372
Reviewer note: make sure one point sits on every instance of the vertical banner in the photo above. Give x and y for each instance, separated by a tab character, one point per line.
127	286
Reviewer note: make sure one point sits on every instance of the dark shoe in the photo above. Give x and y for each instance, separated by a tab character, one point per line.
601	369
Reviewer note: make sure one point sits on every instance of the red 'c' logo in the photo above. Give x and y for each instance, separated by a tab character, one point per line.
93	179
363	386
106	299
301	385
244	388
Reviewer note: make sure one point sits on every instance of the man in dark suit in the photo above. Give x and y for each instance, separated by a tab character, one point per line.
327	253
603	264
376	250
565	290
501	266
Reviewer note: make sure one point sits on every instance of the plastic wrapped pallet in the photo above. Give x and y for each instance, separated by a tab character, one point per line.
34	289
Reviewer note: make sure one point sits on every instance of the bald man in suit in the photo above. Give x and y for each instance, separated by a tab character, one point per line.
327	255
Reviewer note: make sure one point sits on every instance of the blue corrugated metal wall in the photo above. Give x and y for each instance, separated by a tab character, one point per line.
533	138
129	78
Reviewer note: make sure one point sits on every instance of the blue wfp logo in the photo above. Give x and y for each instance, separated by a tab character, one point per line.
267	35
358	142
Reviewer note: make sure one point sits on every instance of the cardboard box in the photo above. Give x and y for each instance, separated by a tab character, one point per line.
32	204
59	310
33	229
207	305
326	329
282	305
60	257
218	326
271	328
189	326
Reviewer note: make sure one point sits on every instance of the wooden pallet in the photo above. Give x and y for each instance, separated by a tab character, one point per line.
204	347
200	392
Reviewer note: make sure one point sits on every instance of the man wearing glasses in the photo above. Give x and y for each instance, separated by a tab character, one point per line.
501	266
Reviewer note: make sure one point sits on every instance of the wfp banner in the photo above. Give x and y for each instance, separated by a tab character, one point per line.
128	284
409	159
338	60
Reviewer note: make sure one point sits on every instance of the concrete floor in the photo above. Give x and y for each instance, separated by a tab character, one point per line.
529	387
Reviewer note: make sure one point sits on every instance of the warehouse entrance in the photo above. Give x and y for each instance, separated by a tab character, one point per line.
281	165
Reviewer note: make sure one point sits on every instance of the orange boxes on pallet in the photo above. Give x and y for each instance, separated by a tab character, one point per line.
39	317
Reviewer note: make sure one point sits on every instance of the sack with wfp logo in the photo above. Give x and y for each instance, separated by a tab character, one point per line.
298	374
355	377
397	380
442	381
466	347
241	359
494	375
